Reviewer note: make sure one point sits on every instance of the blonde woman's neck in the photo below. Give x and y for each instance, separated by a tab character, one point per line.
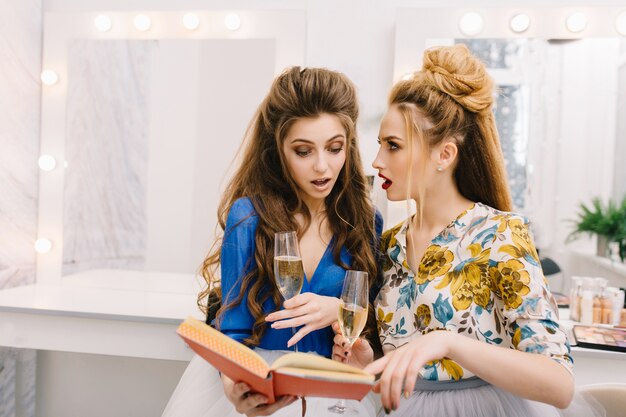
440	208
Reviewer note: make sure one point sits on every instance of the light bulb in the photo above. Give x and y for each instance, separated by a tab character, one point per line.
620	23
232	21
576	22
519	23
47	163
49	77
103	23
43	245
471	24
142	22
191	21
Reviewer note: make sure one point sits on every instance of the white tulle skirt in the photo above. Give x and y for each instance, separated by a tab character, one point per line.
488	401
200	394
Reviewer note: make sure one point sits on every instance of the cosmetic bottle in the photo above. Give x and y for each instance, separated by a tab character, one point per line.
606	301
596	315
586	307
618	305
574	298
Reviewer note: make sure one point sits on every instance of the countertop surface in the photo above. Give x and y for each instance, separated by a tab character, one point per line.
127	297
111	294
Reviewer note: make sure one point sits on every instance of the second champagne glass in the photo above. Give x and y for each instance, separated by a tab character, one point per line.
288	269
352	318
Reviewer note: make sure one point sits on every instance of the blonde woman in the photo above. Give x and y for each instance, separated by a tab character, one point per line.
466	320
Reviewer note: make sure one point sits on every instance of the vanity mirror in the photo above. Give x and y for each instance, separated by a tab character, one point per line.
141	116
560	108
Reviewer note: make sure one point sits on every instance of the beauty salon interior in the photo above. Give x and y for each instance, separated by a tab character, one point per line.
120	119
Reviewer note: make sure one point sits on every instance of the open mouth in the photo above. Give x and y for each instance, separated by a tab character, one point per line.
387	182
321	183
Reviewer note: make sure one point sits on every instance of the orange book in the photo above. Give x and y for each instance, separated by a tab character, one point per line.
299	374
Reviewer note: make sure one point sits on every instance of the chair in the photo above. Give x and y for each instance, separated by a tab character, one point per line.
611	395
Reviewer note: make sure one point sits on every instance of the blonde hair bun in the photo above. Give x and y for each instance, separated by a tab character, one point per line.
456	72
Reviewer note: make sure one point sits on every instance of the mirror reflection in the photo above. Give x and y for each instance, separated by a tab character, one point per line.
151	129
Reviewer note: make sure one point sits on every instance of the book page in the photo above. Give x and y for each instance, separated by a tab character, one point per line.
314	362
216	341
324	375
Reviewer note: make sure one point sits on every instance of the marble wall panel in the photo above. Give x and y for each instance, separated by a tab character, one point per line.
104	219
20	66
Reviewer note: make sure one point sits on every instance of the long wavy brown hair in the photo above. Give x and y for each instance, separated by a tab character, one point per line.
263	176
455	93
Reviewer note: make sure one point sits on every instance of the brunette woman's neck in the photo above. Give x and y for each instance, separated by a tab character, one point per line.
316	208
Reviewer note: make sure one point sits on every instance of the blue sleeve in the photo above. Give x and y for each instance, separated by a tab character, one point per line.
237	259
378	228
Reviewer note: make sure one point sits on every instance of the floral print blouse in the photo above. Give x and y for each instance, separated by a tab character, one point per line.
480	277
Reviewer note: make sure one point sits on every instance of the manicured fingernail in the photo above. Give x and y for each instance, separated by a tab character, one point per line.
387	411
407	394
274	325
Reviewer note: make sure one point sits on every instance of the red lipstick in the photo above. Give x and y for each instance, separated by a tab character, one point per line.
387	182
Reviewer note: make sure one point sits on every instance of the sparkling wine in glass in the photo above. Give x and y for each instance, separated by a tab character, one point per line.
288	269
352	318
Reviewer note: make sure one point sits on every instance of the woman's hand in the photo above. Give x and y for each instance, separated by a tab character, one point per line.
312	311
400	367
251	403
360	354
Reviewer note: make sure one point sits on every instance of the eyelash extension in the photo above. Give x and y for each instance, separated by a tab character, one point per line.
392	145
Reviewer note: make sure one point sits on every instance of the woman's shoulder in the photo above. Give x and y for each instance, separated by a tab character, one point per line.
241	210
500	215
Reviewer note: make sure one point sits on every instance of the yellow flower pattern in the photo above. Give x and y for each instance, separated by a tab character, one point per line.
512	281
480	277
437	261
422	316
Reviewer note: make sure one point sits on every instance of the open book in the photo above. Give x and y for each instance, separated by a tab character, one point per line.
299	374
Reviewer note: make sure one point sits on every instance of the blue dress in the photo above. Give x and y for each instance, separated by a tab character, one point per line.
200	392
237	249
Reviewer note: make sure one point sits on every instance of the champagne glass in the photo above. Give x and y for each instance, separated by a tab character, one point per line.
288	269
352	318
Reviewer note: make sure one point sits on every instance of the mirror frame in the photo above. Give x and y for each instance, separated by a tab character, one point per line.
415	26
286	27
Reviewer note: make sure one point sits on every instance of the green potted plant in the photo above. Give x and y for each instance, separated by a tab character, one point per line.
608	223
